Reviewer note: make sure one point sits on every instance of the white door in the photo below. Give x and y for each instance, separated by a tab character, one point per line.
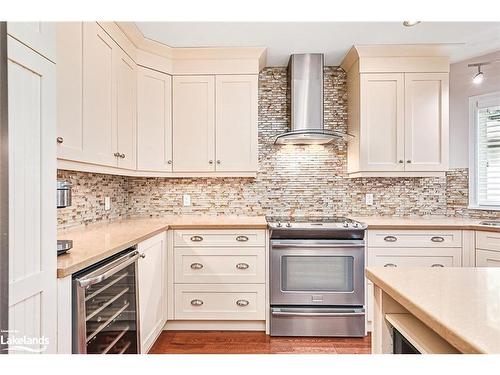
126	104
69	91
382	122
236	123
99	114
39	36
32	216
152	287
194	124
154	121
426	121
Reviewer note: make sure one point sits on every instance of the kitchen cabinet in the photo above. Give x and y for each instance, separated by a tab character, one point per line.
39	36
194	124
487	258
487	249
397	111
236	123
32	206
154	121
152	289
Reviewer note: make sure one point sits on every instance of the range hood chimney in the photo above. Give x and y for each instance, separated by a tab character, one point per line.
305	87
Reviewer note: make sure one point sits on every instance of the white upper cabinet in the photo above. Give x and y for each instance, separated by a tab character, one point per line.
194	124
126	114
382	122
99	96
69	91
236	123
154	121
397	111
39	36
426	121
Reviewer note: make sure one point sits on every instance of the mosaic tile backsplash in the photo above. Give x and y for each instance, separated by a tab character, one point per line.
292	180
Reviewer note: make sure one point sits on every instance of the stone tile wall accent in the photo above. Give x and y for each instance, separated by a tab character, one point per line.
292	180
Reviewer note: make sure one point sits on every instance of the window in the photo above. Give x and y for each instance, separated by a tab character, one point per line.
484	186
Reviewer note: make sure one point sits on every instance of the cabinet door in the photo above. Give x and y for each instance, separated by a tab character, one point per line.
99	114
154	124
236	123
32	207
126	104
39	36
382	122
194	124
69	91
152	287
426	121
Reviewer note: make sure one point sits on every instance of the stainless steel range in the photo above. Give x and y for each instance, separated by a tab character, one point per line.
317	276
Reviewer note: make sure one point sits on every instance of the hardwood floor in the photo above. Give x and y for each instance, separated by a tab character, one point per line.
228	342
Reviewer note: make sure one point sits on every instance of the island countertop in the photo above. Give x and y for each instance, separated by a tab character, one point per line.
95	242
462	305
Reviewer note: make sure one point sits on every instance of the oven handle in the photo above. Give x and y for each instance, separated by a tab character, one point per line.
109	271
330	244
285	313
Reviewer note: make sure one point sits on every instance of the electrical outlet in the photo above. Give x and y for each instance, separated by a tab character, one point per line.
107	203
186	200
369	199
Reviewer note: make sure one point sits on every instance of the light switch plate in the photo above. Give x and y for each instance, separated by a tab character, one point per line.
186	200
107	203
369	199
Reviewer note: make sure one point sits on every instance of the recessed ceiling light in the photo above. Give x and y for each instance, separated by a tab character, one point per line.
410	23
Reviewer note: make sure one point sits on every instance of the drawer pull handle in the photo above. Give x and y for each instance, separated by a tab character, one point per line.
196	238
390	239
437	239
390	265
242	238
242	266
196	302
242	302
196	266
437	265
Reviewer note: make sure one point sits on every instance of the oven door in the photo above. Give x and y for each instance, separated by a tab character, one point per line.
317	272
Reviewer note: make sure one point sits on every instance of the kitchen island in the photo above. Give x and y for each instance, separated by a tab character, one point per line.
438	310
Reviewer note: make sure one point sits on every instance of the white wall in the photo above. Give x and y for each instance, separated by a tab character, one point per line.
461	88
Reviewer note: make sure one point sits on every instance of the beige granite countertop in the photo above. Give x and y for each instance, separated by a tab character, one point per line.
95	242
424	222
462	305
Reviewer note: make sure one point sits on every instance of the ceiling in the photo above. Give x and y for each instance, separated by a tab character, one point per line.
334	39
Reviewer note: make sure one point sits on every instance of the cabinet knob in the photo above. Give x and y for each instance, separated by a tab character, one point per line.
142	255
242	302
196	302
169	162
196	266
218	161
60	140
401	162
437	239
242	266
408	161
242	238
210	162
117	154
122	156
196	238
390	239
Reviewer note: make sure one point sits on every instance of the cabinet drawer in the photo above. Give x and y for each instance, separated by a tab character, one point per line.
207	238
487	258
220	265
415	238
488	240
414	257
220	302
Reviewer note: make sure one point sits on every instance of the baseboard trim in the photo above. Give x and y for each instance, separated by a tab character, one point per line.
221	325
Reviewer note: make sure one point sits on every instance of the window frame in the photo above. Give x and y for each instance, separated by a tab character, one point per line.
494	99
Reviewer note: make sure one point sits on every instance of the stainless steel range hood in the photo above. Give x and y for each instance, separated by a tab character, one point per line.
305	88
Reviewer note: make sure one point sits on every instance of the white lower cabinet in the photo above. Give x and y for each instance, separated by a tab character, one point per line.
487	249
152	289
487	258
